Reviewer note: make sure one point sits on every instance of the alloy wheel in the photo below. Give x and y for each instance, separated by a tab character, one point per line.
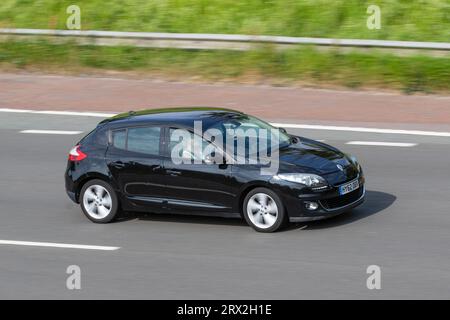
97	202
262	210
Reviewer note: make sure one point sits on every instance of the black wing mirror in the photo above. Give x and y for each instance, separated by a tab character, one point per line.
282	130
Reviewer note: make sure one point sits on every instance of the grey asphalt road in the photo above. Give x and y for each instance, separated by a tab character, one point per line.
403	227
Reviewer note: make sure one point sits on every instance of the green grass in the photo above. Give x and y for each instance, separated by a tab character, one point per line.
297	66
420	20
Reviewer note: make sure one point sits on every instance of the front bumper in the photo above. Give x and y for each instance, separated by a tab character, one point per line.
330	202
325	212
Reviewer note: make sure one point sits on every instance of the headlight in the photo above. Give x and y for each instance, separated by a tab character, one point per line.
309	180
355	162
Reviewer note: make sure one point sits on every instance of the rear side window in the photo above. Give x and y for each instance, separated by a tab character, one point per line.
119	139
97	138
142	140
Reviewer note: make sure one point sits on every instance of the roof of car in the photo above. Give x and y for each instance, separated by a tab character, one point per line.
184	116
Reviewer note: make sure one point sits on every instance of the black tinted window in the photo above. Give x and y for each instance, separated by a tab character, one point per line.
119	139
144	140
187	151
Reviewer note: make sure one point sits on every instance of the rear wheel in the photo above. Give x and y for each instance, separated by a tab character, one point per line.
99	201
263	210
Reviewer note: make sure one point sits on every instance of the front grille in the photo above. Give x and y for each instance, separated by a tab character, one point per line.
342	201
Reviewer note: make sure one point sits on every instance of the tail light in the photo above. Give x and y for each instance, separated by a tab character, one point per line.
76	154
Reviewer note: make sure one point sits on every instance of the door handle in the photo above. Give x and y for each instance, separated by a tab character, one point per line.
173	172
118	164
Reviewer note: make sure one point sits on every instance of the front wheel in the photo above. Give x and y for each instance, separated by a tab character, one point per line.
99	201
263	210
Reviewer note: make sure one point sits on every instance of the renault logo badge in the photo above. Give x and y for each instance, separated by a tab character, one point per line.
340	167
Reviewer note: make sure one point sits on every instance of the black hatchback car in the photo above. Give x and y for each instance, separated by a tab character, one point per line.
131	162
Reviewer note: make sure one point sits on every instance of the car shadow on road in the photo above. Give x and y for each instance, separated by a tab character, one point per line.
182	218
375	202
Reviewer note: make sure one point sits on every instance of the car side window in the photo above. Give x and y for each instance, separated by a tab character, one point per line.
144	140
140	139
119	139
187	152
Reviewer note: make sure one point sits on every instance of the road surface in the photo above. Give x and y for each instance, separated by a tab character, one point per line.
403	228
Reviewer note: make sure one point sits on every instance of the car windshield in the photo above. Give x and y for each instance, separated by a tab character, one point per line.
241	126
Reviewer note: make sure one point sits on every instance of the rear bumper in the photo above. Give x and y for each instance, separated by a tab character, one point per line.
324	213
70	185
72	196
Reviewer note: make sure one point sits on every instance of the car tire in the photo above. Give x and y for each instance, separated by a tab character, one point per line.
99	202
263	210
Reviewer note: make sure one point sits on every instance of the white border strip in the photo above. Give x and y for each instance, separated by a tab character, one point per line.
382	144
57	245
51	132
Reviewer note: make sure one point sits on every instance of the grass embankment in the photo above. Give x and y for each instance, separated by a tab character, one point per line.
425	20
291	67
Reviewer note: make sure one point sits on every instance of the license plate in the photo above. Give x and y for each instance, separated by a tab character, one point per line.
348	187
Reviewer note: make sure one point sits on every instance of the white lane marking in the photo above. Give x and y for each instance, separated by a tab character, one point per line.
51	132
361	129
60	113
57	245
379	143
74	113
284	125
15	110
